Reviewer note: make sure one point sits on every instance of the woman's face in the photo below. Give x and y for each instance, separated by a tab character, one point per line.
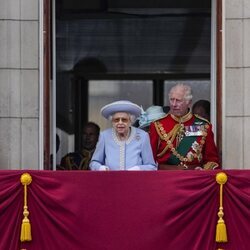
121	122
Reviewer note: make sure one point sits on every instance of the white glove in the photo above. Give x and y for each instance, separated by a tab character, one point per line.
135	168
198	168
103	168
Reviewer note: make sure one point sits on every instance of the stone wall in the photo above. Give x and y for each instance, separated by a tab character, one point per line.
19	84
236	92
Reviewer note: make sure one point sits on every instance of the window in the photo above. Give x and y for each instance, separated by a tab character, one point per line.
110	50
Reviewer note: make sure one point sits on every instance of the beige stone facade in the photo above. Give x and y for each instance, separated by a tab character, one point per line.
236	84
20	84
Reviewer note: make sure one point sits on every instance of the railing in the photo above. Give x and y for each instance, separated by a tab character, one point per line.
147	210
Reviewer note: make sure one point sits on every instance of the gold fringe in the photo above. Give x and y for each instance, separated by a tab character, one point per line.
25	179
210	165
221	230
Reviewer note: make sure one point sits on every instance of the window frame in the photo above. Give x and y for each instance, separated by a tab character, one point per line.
48	96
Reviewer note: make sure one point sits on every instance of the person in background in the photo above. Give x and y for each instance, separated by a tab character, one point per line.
80	160
166	109
151	114
122	147
181	140
202	108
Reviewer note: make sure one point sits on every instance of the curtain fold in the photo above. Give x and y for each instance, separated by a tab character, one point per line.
125	210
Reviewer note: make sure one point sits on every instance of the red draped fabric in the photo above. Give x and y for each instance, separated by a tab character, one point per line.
161	210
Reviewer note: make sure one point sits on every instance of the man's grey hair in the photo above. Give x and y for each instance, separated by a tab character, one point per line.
188	96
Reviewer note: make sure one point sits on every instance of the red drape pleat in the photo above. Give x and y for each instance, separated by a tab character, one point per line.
161	210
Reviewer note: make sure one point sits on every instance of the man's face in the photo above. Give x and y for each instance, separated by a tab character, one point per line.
89	137
178	105
121	122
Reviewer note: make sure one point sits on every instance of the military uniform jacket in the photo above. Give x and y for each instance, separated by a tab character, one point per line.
76	160
188	139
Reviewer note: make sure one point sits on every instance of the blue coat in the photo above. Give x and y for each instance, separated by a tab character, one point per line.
122	155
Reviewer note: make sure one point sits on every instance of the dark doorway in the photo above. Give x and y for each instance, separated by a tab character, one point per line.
106	49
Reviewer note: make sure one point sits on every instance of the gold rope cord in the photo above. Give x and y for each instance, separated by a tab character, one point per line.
169	138
25	179
221	230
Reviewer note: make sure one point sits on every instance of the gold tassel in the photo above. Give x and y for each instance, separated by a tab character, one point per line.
221	230
25	179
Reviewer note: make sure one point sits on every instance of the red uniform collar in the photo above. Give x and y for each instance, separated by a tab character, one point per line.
182	119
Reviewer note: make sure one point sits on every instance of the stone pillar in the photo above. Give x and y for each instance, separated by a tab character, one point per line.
236	127
19	84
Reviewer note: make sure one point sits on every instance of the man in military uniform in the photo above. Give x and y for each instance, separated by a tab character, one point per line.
181	140
80	160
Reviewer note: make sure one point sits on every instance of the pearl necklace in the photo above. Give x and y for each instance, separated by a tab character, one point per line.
122	144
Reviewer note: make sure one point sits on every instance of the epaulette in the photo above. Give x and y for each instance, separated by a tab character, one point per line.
202	118
161	117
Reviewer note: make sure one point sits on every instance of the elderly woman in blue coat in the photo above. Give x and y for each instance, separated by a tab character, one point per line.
122	147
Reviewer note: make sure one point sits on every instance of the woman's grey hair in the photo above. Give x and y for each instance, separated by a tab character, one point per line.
188	91
132	117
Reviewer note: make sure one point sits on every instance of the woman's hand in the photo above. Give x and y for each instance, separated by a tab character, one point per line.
104	168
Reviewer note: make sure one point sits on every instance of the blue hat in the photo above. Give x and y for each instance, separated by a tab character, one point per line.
151	114
120	106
